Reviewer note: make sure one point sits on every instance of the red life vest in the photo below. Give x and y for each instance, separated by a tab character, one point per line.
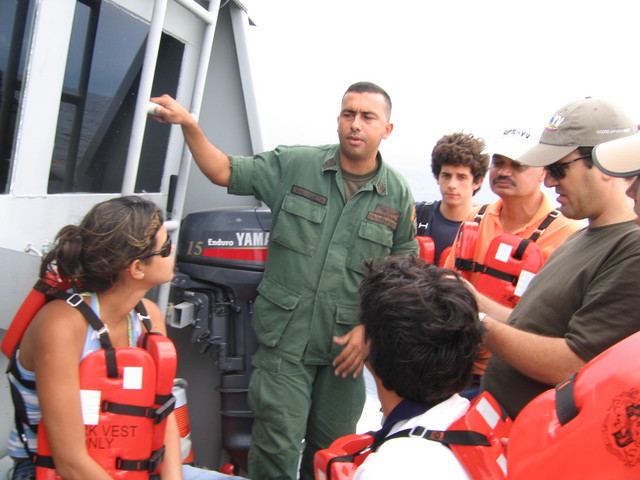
427	251
426	245
126	393
587	427
475	438
124	420
34	301
509	264
510	261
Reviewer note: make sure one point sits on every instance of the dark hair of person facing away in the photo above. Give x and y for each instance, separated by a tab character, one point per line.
109	237
422	326
461	149
369	87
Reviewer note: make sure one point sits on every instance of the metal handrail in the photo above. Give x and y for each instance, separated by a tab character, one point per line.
142	100
196	103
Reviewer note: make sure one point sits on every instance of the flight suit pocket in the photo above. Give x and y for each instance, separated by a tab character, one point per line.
272	311
299	224
374	240
346	319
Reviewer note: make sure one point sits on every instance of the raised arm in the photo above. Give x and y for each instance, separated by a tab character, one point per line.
213	162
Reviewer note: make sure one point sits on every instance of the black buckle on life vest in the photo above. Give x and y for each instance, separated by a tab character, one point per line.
156	459
124	409
417	432
165	409
74	300
45	461
507	277
149	465
467	265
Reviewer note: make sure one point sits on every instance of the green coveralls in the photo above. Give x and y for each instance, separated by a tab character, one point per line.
309	294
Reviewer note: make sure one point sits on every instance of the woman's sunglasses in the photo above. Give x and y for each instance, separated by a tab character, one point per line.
165	251
558	170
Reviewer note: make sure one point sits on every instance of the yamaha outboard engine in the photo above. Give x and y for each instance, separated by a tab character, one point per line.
220	259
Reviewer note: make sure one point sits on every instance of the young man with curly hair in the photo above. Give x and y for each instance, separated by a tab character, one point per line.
459	165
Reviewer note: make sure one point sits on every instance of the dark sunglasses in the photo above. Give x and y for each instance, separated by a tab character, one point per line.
558	170
165	251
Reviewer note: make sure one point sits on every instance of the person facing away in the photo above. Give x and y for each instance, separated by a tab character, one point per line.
459	166
113	257
423	332
332	206
520	210
621	158
579	303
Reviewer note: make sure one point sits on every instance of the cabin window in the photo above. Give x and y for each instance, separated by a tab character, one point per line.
14	20
103	70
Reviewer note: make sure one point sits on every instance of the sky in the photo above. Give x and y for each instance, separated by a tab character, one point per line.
474	66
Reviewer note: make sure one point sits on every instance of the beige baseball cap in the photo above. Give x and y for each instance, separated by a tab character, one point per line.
585	123
619	158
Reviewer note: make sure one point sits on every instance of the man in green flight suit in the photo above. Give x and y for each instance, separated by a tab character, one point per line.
332	207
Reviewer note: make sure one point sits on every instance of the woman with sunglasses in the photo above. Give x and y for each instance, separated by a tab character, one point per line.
112	258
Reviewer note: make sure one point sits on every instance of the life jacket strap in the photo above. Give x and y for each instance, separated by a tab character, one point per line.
447	437
148	465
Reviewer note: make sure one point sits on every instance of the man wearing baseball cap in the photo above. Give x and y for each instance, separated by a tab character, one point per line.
580	302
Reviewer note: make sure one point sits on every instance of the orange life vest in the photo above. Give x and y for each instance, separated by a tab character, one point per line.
427	250
510	261
125	392
587	427
475	438
34	301
426	245
125	416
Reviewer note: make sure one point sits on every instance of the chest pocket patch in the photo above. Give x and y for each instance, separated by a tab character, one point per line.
299	223
374	240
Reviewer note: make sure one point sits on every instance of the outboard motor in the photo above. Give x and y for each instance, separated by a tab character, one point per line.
220	259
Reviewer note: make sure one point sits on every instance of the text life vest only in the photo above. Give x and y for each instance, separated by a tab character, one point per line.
588	427
125	392
475	438
510	261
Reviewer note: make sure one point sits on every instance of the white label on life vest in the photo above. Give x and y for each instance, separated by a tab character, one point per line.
523	282
502	463
90	404
488	412
503	252
132	378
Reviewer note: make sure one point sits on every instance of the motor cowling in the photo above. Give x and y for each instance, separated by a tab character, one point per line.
220	259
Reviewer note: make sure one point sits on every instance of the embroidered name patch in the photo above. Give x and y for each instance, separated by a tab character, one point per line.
308	194
385	215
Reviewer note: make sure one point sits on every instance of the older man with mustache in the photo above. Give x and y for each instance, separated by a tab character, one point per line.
522	210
